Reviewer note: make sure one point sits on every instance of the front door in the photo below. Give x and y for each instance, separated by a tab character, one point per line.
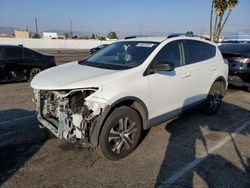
168	88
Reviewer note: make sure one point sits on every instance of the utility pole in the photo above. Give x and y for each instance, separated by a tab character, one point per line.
36	27
71	30
140	29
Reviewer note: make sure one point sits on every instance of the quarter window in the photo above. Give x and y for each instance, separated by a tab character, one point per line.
197	51
28	54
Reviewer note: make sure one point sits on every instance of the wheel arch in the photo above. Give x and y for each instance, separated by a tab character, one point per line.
133	102
27	72
223	82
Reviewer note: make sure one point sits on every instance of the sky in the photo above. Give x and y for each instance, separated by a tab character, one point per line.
121	16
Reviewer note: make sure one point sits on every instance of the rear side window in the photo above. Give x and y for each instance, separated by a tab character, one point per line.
197	51
38	56
28	54
13	53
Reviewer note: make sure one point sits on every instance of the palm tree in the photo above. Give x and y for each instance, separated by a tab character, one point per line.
231	4
211	19
220	7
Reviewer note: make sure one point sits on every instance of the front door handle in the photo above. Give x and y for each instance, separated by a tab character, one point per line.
185	75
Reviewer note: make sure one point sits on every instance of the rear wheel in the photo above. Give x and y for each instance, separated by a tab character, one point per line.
120	133
248	89
33	72
214	98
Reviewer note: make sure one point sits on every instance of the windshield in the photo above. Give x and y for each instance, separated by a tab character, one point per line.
121	55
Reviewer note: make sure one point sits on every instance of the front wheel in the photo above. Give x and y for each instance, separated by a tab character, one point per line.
120	133
214	99
33	72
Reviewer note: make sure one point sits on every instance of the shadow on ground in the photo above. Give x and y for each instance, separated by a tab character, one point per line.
19	141
215	170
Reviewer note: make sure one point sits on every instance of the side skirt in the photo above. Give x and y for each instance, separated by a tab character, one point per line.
173	114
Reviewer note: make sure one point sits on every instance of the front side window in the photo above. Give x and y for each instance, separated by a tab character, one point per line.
13	53
170	53
121	55
197	51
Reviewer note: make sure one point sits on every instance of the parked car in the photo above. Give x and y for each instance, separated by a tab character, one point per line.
108	99
93	50
238	56
20	63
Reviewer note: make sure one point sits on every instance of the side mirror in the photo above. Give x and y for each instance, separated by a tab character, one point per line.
163	66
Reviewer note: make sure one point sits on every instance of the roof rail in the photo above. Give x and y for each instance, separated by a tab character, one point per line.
186	35
176	35
135	36
130	37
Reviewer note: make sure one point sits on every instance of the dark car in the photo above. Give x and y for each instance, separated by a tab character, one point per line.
20	63
93	50
238	56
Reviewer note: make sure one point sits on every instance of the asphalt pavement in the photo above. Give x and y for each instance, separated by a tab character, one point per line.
193	150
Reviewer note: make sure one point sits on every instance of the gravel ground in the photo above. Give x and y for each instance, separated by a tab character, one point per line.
194	150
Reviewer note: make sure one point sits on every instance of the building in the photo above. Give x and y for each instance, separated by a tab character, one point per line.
22	34
50	35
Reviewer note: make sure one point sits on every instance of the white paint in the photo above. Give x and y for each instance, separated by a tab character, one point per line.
50	35
54	43
153	89
16	119
200	158
74	76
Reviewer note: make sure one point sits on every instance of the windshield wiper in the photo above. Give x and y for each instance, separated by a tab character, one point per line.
94	64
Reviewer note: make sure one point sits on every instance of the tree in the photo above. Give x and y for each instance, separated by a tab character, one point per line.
36	36
189	33
211	19
231	4
66	35
93	36
220	7
112	35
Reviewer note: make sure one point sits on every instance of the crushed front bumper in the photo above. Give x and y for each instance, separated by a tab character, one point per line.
58	128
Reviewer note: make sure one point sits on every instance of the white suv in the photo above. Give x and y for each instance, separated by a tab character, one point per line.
108	99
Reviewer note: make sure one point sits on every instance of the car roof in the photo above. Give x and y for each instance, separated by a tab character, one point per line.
9	45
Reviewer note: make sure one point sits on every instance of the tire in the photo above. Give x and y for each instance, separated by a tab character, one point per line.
120	134
214	99
248	89
32	73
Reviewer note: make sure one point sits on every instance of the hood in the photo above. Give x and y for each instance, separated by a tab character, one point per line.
71	76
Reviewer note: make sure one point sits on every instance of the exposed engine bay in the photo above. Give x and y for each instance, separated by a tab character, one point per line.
67	114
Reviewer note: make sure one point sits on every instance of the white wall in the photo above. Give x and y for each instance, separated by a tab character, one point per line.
54	43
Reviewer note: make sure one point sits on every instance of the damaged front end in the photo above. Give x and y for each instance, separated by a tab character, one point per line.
69	114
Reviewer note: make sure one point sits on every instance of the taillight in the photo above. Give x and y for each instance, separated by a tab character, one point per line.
53	60
242	59
225	61
246	60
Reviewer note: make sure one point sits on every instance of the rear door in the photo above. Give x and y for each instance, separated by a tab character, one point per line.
13	59
199	63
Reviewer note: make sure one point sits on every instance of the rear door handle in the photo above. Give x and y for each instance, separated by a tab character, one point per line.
187	74
213	68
